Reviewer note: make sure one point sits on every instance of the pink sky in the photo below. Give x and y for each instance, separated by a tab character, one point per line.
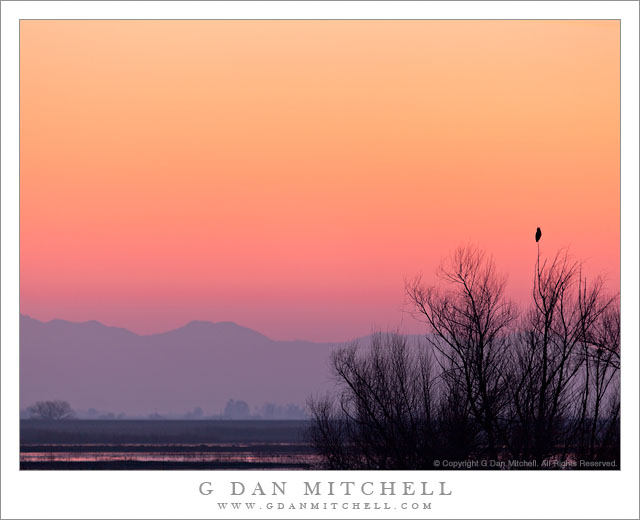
288	176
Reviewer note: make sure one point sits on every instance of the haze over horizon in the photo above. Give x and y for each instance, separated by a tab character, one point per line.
201	364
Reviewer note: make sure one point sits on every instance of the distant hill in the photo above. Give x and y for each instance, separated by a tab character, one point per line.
201	364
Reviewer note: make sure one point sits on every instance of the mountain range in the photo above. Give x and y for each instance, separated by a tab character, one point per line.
203	364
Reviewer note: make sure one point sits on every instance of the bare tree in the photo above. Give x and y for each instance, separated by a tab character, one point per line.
51	410
383	414
597	429
605	336
554	359
469	323
458	431
488	383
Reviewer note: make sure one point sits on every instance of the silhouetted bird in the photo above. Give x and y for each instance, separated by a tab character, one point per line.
538	234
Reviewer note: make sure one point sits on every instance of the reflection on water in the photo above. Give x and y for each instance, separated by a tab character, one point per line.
65	456
281	454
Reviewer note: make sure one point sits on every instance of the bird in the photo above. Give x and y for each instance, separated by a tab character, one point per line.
538	234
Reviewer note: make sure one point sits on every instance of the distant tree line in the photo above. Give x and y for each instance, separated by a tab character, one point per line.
233	410
268	411
490	381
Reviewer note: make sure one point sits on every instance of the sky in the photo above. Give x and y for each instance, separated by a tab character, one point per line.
290	175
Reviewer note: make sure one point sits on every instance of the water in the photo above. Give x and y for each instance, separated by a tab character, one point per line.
165	445
212	456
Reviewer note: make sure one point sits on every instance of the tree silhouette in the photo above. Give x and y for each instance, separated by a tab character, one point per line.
468	324
236	409
383	414
488	382
552	367
51	410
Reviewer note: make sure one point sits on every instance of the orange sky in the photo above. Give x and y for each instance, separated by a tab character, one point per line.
287	175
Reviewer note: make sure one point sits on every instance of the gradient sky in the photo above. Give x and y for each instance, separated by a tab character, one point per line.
288	175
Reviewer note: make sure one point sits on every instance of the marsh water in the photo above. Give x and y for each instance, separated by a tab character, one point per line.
165	445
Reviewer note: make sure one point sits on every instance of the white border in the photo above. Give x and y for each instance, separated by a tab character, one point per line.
174	494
